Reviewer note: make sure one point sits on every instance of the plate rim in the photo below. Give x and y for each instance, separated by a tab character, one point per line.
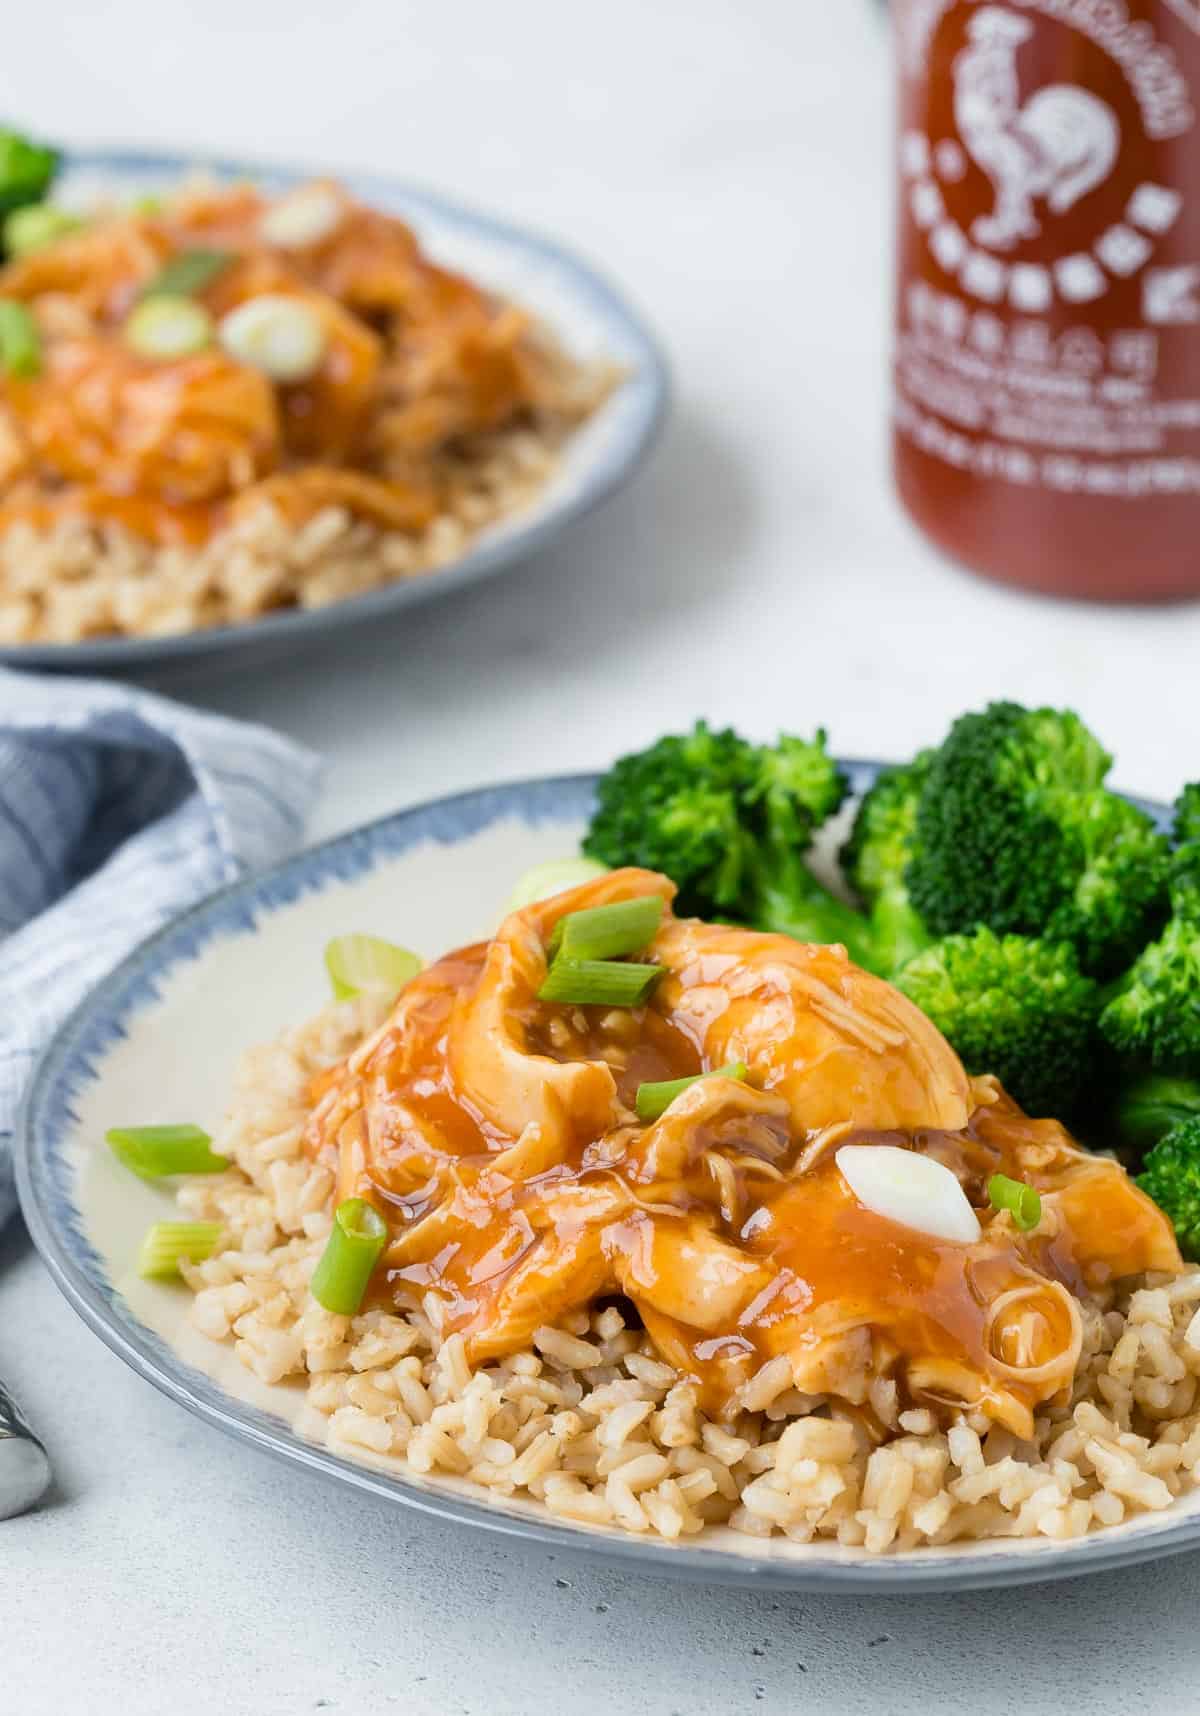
484	558
364	847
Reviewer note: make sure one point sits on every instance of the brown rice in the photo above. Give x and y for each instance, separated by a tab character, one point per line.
82	579
591	1422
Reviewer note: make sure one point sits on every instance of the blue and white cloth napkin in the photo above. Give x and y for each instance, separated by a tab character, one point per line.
117	809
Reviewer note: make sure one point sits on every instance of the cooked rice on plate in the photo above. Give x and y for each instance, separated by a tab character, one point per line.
590	1419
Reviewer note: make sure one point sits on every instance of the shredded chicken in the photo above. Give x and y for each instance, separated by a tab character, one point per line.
498	1134
415	359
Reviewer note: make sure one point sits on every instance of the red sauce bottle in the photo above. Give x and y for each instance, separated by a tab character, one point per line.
1047	376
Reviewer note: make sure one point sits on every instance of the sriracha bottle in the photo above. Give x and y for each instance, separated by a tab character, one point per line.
1047	358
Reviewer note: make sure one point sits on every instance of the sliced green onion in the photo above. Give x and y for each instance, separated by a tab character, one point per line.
188	273
607	932
35	227
358	963
277	334
546	880
20	341
26	169
167	1242
302	217
149	203
168	327
653	1100
153	1151
599	983
355	1245
1020	1200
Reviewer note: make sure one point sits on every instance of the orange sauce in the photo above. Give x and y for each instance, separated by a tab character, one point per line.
726	1224
414	360
145	516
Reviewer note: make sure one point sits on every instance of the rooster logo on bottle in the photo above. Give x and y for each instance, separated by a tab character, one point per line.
1057	145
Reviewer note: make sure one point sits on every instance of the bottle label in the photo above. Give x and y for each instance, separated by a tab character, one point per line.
1049	314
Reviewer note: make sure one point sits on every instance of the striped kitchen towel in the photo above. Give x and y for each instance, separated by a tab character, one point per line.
117	809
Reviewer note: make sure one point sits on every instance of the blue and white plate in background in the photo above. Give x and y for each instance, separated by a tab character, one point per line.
589	315
158	1041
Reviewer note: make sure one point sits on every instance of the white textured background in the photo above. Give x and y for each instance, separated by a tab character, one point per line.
726	159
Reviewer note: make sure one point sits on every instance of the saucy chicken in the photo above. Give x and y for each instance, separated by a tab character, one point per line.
497	1134
172	428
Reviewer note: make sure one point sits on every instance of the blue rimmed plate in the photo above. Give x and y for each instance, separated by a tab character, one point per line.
588	314
159	1039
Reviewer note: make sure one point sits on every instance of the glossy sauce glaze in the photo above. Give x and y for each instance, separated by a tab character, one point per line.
413	360
497	1135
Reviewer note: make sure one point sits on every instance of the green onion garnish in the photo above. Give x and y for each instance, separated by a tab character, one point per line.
276	333
20	341
26	169
1021	1201
153	1151
168	327
366	963
599	983
355	1245
169	1241
545	880
188	273
607	932
653	1100
33	228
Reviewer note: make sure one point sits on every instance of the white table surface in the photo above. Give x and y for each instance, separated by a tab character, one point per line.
729	163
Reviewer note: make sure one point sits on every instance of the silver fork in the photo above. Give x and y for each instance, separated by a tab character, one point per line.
24	1468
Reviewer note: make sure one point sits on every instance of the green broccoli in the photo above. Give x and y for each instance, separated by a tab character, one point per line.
1154	1015
676	807
1183	881
1171	1176
1016	830
876	857
1012	1006
1149	1106
730	823
27	170
1186	829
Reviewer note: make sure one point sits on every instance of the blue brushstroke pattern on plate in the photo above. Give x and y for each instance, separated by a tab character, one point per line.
48	1125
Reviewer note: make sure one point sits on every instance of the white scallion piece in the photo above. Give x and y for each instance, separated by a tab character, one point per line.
546	880
275	333
366	963
168	327
302	217
906	1187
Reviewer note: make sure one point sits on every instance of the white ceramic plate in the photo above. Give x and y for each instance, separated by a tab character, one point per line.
158	1041
589	315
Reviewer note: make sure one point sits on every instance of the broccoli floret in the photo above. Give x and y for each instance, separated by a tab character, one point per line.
676	807
26	170
1184	878
1156	1013
1186	829
797	786
1148	1107
730	823
1013	1006
876	857
792	788
1017	831
1171	1177
1154	1016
